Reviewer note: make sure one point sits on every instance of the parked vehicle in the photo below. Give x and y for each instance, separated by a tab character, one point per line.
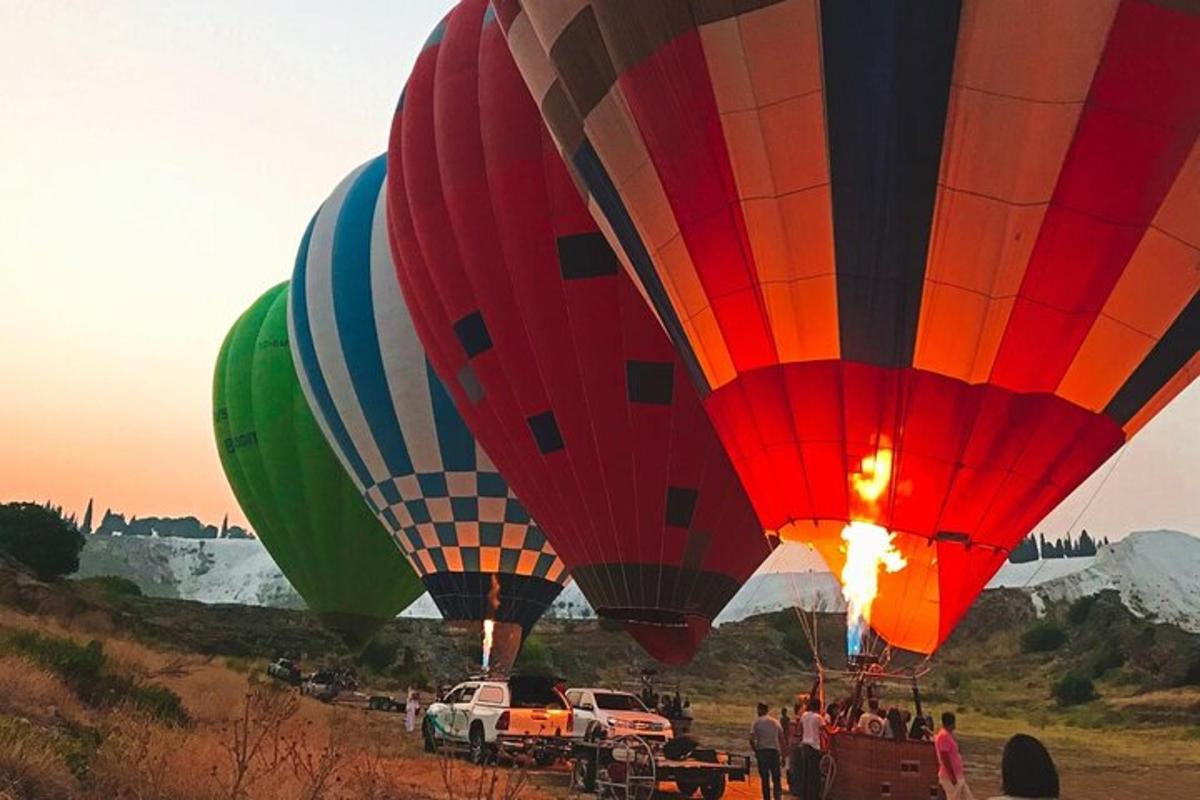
602	713
523	715
383	702
286	670
322	684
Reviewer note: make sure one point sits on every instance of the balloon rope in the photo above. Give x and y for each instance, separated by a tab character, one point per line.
1095	493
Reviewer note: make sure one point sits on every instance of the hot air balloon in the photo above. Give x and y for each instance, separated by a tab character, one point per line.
554	359
291	487
394	426
930	263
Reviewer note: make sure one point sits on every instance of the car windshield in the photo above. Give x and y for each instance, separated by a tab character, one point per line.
534	693
613	701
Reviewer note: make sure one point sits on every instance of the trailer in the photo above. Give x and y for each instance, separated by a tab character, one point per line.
631	768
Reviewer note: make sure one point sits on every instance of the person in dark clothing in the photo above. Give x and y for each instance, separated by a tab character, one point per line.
766	740
895	725
1027	771
921	730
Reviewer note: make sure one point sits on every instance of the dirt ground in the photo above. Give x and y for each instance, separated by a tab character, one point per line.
1100	761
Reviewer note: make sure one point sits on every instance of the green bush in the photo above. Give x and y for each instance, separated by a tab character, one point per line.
1191	677
114	586
796	645
1078	613
1073	689
534	658
40	539
84	668
378	655
1109	657
1043	637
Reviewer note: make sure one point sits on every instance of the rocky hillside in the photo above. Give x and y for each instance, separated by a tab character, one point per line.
1155	573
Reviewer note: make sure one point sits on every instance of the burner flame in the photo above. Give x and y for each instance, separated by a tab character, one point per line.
869	548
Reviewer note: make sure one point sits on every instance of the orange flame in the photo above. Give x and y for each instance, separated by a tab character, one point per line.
489	627
489	624
869	548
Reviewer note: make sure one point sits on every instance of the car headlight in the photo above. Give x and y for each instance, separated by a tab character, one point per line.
610	722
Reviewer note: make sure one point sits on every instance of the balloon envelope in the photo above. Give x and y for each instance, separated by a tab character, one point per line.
394	426
291	487
554	358
958	238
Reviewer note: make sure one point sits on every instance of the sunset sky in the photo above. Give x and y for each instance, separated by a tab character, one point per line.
159	161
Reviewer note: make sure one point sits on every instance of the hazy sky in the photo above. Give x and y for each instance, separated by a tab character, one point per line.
158	163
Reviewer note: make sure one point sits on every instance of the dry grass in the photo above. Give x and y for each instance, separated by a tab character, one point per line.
30	692
30	765
245	741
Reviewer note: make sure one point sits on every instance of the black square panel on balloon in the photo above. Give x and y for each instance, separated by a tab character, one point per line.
681	504
473	334
586	255
545	432
650	382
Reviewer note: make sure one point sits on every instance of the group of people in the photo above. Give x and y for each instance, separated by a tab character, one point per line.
1027	771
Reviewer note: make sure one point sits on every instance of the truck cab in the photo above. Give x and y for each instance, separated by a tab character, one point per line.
610	713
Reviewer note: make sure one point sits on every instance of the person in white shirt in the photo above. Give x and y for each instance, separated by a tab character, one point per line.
809	725
872	722
412	705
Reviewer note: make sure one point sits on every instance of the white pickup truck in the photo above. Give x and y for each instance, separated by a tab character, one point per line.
521	715
615	714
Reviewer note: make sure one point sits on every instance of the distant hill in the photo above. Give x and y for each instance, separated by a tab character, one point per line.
1156	574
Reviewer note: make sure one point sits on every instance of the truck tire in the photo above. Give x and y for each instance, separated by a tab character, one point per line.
479	748
686	788
427	735
713	789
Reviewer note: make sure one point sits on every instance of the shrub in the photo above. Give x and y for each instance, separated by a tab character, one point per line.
1191	677
611	625
83	668
1043	637
1073	689
114	586
1078	613
796	644
534	657
378	655
40	539
1108	658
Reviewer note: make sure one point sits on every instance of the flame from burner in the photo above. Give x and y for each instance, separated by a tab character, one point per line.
869	548
489	624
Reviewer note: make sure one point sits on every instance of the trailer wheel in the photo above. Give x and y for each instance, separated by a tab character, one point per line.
713	789
686	788
583	774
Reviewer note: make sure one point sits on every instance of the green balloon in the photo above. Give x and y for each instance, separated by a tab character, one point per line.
304	508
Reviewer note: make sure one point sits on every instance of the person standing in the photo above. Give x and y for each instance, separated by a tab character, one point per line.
809	728
950	763
412	705
1027	771
766	740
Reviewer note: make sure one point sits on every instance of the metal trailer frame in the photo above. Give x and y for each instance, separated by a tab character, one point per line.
630	768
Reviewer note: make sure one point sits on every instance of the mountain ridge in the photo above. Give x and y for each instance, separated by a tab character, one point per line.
1156	573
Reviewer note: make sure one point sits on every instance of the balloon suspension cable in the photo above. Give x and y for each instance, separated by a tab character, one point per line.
1074	522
